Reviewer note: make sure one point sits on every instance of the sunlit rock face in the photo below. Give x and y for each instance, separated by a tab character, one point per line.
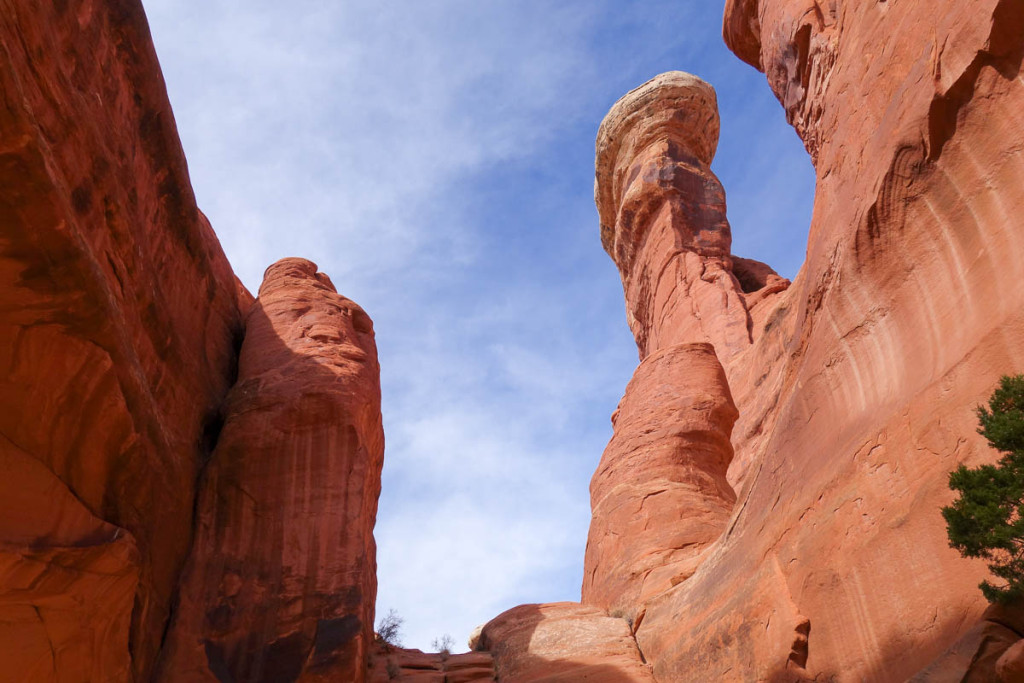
660	496
663	216
565	642
119	319
856	395
855	386
281	582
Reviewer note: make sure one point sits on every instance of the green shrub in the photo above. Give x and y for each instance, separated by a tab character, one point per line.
987	519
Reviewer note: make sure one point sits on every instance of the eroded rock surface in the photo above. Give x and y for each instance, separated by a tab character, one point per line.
856	395
119	318
663	217
660	496
281	583
563	641
856	385
415	666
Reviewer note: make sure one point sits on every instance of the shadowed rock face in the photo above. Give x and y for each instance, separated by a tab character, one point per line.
119	318
281	582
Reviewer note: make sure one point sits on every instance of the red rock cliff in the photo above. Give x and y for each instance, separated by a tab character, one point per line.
768	506
120	324
282	581
119	319
856	394
855	386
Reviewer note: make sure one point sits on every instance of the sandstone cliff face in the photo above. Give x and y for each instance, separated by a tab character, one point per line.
856	394
119	319
120	326
767	507
855	386
281	582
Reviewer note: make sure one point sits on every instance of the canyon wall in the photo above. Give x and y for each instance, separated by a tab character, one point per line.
119	324
120	328
190	477
855	386
856	392
281	582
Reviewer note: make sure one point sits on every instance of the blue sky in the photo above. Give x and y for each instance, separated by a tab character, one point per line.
435	158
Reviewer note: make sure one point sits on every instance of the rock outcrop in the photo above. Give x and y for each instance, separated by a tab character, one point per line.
120	328
663	219
767	509
856	393
119	324
563	641
415	666
856	385
281	582
660	496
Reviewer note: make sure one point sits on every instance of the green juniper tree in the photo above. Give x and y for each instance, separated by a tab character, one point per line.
987	520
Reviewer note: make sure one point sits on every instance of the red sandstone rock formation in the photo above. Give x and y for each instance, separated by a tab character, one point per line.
414	666
663	216
660	496
856	395
119	318
281	582
855	387
563	641
120	321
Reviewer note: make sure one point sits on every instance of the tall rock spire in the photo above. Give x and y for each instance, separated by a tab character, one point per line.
660	497
281	580
663	219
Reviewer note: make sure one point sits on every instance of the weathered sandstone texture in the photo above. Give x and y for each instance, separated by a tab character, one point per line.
563	641
855	386
119	320
281	582
414	666
120	328
663	220
660	496
857	389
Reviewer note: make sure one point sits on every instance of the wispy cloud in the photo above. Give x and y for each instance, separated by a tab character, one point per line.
436	159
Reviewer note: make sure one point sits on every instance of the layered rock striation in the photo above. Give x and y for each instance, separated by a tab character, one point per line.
856	395
767	508
281	582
